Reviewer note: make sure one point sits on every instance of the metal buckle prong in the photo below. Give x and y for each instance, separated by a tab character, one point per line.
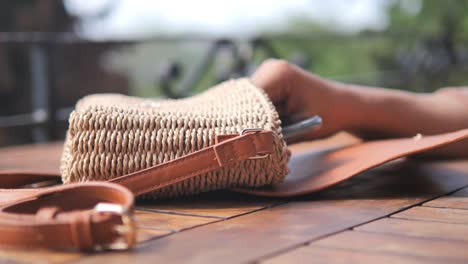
127	230
254	130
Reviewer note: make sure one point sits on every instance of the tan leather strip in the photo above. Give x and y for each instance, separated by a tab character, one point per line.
222	154
312	171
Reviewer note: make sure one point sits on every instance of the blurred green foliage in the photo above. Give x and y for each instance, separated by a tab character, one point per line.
419	50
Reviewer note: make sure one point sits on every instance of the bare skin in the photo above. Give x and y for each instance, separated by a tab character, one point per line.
368	112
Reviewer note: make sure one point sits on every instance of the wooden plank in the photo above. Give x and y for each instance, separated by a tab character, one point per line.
39	158
146	234
458	200
249	237
446	215
342	256
449	202
397	245
417	229
221	204
169	222
37	256
252	236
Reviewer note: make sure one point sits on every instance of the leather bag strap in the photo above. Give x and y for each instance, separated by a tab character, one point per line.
98	215
315	171
229	150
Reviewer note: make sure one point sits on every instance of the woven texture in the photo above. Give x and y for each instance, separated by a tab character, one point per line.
112	135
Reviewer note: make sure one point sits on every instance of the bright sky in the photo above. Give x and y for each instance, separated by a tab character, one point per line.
135	18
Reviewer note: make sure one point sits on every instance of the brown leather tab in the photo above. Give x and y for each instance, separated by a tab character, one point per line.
225	153
82	235
312	171
221	138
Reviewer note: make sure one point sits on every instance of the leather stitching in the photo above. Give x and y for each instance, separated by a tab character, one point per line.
194	156
195	173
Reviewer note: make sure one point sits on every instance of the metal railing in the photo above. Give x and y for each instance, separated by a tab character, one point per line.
40	46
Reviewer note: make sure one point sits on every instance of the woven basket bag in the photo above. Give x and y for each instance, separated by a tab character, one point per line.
112	135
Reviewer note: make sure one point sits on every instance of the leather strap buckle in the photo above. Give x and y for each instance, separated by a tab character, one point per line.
254	130
127	230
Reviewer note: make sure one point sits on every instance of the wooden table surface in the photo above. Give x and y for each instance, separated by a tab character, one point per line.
406	212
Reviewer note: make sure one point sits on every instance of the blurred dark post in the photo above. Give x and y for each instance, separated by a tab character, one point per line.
45	69
40	93
26	99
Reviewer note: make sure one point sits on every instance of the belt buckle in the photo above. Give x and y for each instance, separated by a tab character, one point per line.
126	230
254	130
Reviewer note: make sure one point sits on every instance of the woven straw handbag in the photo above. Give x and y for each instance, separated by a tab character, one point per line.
113	135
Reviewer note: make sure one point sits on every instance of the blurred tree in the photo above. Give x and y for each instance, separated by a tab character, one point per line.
422	48
438	54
